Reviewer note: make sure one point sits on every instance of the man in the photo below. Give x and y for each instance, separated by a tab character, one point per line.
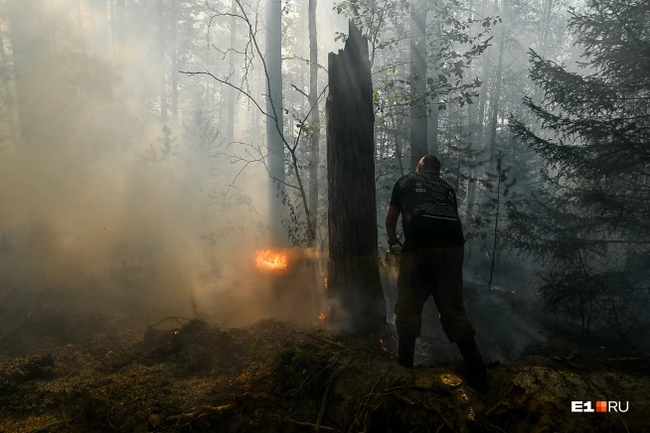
431	264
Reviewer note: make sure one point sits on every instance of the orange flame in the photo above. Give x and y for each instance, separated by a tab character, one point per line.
322	316
271	260
324	276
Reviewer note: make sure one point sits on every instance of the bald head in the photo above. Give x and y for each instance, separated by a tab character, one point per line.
429	163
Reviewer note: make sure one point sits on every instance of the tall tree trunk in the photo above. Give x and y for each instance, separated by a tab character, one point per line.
84	60
9	90
433	122
355	294
163	69
496	96
480	130
434	114
257	87
471	138
418	81
230	127
543	51
471	128
4	69
496	221
548	13
314	150
173	23
274	124
32	40
398	145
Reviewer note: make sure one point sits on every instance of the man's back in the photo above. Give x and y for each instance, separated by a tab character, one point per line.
429	211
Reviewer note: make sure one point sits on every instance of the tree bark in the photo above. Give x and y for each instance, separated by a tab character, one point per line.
314	148
274	125
418	82
355	293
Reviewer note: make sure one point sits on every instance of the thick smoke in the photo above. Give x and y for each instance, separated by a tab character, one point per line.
100	207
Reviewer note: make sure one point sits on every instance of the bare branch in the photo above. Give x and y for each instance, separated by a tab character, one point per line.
307	117
302	92
229	84
302	59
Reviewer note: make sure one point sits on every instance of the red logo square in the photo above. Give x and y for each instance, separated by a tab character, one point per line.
601	406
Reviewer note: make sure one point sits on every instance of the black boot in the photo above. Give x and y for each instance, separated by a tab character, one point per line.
476	370
405	351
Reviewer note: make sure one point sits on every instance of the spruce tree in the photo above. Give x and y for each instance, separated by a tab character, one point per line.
590	221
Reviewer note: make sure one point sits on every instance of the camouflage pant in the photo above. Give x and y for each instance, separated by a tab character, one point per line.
436	272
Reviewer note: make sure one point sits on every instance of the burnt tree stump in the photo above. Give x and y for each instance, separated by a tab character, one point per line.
355	296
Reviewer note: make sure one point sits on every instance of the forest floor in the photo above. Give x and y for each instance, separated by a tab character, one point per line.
69	373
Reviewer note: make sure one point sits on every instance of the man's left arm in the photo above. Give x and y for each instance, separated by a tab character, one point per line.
391	224
394	211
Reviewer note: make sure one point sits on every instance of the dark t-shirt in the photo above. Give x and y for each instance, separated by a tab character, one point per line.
429	211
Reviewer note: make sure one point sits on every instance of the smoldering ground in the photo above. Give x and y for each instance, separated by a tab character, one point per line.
102	208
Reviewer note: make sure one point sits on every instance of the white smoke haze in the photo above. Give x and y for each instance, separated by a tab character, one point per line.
94	202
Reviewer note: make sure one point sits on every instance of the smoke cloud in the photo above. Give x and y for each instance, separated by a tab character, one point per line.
99	205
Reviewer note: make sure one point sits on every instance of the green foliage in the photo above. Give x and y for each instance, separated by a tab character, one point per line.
489	225
452	45
299	369
589	220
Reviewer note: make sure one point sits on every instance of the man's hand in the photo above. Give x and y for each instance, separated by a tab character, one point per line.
396	249
393	240
394	245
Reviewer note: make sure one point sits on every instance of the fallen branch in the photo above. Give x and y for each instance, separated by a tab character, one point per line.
623	421
201	412
306	424
325	340
488	426
308	380
363	403
46	427
336	374
432	409
177	319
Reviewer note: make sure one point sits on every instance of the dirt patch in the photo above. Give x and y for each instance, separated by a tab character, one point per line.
185	375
